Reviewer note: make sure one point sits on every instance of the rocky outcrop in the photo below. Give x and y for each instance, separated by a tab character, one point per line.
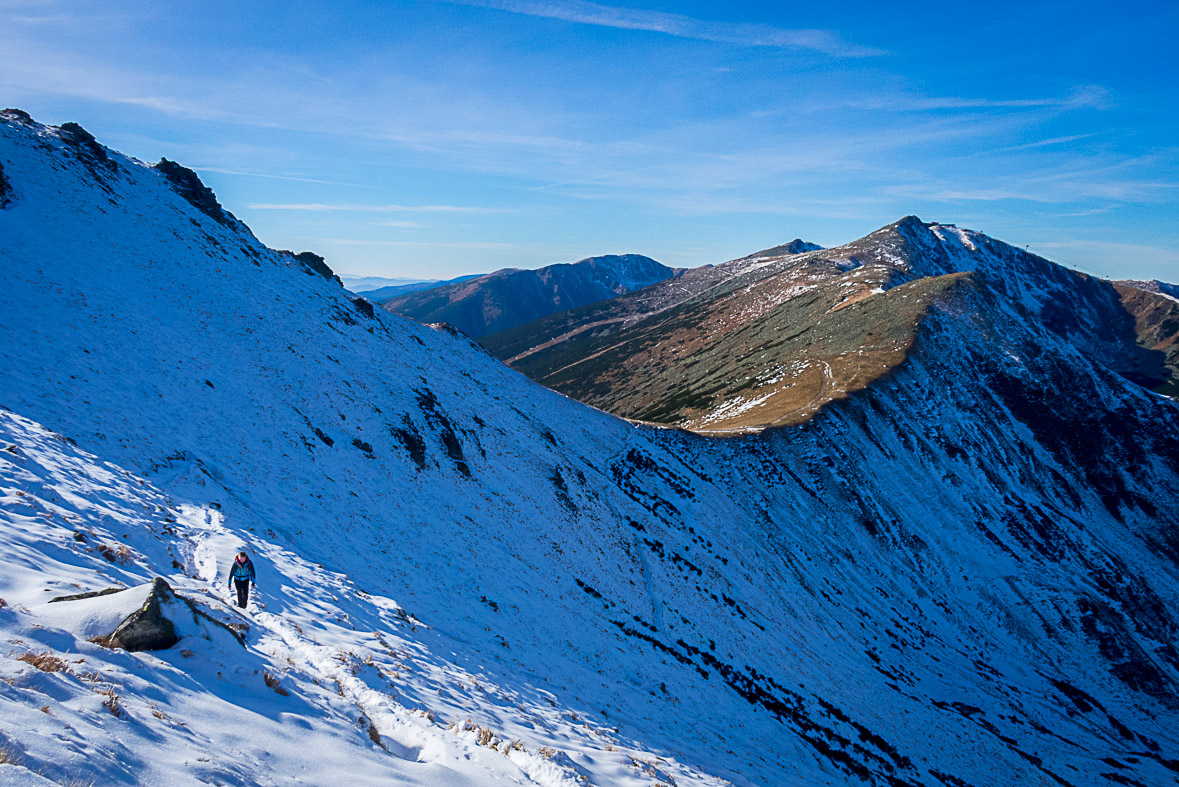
313	263
5	189
87	149
146	628
188	185
88	594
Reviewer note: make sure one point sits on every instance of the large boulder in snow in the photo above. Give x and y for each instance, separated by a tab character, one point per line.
146	628
151	616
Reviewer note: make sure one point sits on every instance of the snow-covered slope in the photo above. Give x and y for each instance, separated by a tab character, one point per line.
326	680
964	574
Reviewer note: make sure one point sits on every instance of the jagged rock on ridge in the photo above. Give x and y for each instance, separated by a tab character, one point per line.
87	148
313	263
188	184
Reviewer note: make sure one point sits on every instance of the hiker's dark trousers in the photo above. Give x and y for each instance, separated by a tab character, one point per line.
243	591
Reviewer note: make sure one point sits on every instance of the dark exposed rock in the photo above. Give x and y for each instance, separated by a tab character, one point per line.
411	439
88	594
19	115
437	417
189	185
5	189
364	307
315	263
86	148
146	628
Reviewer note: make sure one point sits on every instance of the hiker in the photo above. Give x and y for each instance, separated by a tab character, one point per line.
241	576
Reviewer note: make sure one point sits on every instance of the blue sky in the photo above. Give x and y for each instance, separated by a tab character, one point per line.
432	139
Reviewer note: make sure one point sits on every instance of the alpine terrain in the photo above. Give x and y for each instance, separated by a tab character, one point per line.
502	300
961	570
768	339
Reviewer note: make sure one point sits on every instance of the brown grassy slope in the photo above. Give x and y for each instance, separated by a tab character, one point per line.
769	354
1156	321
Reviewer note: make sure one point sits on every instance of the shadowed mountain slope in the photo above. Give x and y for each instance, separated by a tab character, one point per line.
507	298
964	573
1155	307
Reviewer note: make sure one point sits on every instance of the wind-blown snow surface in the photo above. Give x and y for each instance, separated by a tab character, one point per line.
931	582
357	688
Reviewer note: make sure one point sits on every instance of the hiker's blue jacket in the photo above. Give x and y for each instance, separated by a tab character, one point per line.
243	572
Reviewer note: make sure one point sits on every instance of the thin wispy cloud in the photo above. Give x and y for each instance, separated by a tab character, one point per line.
320	207
1043	143
1092	96
458	244
1080	97
593	178
744	34
266	176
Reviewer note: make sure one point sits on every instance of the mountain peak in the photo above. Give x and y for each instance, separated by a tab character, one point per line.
912	223
796	246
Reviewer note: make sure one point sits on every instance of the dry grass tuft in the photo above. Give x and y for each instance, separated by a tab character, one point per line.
120	554
111	703
374	734
45	661
10	755
79	782
274	684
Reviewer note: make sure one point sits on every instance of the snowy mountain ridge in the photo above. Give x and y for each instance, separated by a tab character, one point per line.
964	573
769	340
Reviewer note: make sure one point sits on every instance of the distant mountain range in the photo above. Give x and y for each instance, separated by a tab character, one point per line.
359	284
1156	286
502	300
768	339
